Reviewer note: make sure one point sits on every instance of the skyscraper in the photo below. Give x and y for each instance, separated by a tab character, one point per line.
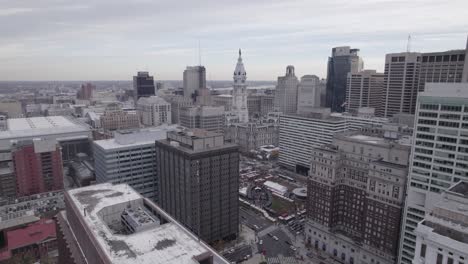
199	182
86	91
38	166
439	154
363	89
154	111
194	81
308	95
286	92
210	118
143	85
343	61
239	93
356	193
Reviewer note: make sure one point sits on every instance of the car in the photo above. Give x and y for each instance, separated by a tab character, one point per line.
260	242
287	242
292	248
275	238
231	251
256	227
270	235
298	232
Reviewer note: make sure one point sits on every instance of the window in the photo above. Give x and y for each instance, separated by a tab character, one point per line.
450	260
439	259
423	250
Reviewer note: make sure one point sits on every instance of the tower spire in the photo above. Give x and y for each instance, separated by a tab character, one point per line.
240	53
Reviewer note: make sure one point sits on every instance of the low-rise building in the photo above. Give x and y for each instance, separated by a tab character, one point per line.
252	135
115	118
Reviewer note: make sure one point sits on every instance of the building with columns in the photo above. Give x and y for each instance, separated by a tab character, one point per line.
239	93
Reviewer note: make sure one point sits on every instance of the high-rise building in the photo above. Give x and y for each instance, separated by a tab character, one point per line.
344	60
356	193
115	118
86	91
38	166
154	111
308	94
364	89
439	154
299	134
113	224
363	117
442	236
239	92
210	118
143	85
204	194
194	81
130	158
225	100
260	105
286	92
177	103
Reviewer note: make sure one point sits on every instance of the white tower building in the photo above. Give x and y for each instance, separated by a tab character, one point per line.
239	95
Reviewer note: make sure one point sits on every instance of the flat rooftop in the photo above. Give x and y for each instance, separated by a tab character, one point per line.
168	243
44	125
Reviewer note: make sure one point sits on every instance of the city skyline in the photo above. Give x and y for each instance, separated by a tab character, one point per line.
62	40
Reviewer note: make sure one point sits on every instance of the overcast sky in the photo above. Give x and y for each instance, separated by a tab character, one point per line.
112	39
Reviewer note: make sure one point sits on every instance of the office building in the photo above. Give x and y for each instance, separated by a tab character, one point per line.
252	135
210	118
38	166
154	111
177	103
362	117
72	135
356	193
363	89
439	154
308	94
113	224
239	92
143	85
344	60
204	195
194	81
225	100
115	118
286	92
260	105
299	134
442	237
11	108
129	158
86	92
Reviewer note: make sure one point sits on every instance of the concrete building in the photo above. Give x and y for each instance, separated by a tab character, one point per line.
154	111
130	158
239	92
260	105
143	85
210	118
356	193
177	103
113	224
362	117
363	89
11	108
343	60
252	135
3	122
308	95
286	92
204	195
38	166
299	134
194	81
72	135
439	154
86	92
225	100
115	118
442	237
7	175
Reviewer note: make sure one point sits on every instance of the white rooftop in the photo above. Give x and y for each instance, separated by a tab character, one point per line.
167	243
38	126
368	139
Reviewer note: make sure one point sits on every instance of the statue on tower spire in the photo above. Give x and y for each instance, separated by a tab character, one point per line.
240	52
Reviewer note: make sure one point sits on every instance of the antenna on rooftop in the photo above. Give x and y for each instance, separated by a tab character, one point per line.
408	44
199	54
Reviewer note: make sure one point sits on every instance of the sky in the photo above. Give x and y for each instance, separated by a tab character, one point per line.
113	39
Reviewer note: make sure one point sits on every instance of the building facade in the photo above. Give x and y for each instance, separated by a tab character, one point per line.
194	81
309	93
154	111
38	166
442	237
239	92
86	92
143	85
439	154
299	134
356	193
204	195
252	135
363	89
177	103
130	158
286	92
115	118
210	118
344	60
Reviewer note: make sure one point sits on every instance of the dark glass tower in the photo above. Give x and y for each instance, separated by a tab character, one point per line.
143	85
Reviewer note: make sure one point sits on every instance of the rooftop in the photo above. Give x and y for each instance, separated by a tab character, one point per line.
167	243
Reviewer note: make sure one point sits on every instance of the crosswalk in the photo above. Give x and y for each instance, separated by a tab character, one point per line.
282	260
